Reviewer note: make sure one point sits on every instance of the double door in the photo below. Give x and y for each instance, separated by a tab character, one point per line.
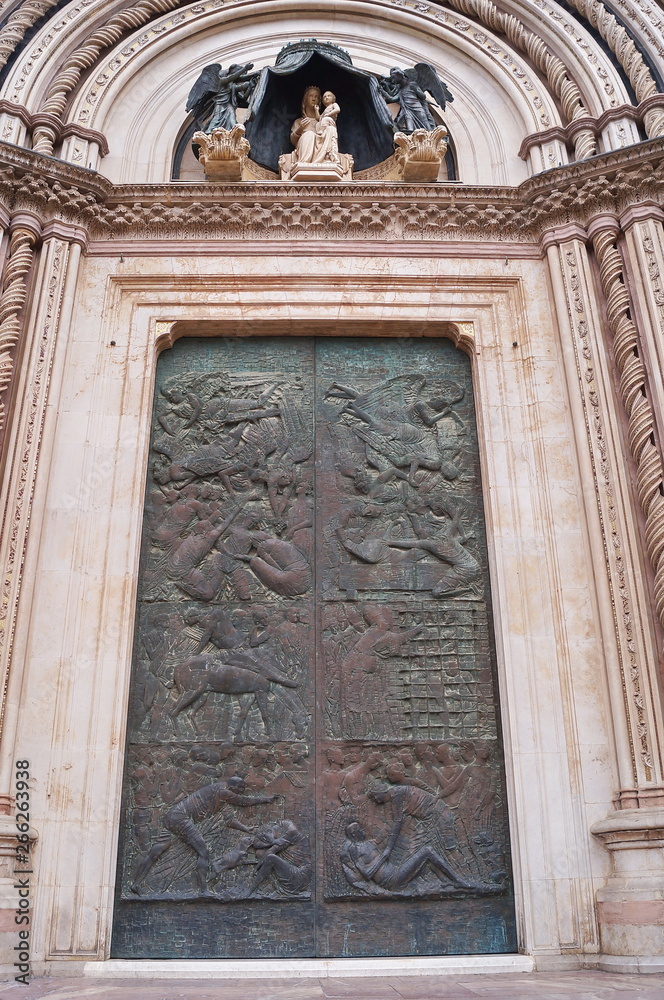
313	764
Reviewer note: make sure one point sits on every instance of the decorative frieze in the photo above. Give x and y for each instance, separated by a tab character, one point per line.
574	193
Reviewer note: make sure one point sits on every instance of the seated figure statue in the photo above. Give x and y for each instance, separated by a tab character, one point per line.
315	137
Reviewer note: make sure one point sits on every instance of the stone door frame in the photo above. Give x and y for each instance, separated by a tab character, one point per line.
82	566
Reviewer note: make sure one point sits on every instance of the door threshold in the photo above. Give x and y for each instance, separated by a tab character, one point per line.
308	968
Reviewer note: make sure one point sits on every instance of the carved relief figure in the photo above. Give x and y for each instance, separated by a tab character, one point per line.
202	675
399	450
363	684
284	852
413	817
367	867
181	823
238	624
230	455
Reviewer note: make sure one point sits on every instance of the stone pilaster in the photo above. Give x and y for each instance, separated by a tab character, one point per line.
56	272
13	297
629	905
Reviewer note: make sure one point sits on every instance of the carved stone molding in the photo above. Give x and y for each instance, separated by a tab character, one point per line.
643	252
55	126
8	847
634	392
596	125
433	18
630	907
85	56
223	152
58	261
12	301
628	56
628	685
560	81
420	154
572	194
521	37
18	22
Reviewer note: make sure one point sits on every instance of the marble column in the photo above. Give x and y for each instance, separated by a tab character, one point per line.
46	318
630	905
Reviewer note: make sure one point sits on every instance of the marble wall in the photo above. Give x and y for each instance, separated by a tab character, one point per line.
75	636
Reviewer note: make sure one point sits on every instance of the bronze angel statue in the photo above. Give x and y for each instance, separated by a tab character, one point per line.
217	94
408	88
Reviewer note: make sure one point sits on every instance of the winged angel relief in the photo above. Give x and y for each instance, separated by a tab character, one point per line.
230	512
407	515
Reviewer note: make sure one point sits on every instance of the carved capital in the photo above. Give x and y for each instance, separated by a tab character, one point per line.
420	154
223	152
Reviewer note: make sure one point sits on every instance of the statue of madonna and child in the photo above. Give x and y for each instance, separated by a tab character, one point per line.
316	141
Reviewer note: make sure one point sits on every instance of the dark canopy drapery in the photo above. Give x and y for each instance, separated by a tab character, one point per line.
365	123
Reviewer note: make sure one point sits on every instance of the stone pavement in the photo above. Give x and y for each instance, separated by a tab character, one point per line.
532	986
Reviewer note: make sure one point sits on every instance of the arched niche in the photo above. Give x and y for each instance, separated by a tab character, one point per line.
140	106
186	166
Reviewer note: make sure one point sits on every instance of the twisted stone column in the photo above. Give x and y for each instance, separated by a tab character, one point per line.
18	22
85	56
643	443
543	58
628	56
12	301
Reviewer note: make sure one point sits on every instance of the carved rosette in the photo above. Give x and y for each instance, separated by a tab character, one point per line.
223	152
420	154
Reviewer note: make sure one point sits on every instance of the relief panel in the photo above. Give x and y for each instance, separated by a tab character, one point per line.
314	764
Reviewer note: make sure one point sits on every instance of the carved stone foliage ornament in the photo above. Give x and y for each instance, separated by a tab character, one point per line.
313	721
420	154
55	190
222	152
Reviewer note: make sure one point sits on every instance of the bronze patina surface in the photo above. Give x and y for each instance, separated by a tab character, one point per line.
314	764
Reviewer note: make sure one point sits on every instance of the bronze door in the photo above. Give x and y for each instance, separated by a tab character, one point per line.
314	764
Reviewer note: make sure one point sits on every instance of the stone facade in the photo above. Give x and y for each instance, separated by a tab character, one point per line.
543	261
